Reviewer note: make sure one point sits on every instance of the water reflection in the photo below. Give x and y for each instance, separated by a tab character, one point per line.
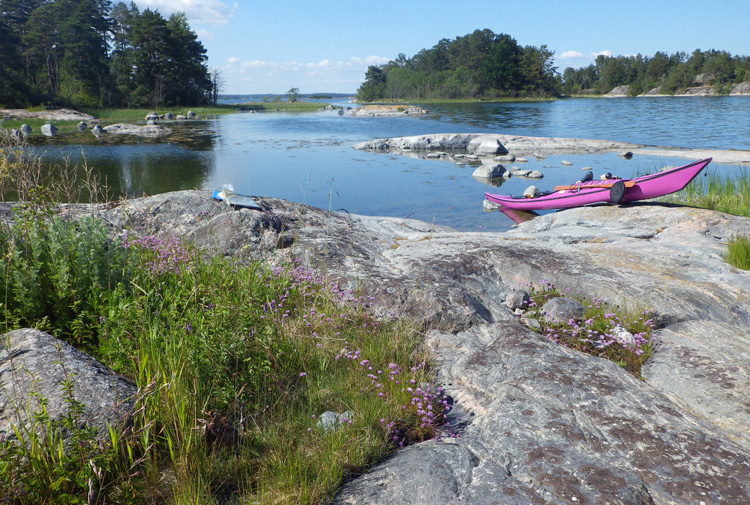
307	157
134	169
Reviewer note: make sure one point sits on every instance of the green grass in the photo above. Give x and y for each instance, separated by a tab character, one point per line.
108	116
738	251
112	116
730	194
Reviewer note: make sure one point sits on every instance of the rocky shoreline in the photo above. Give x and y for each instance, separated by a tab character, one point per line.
539	423
741	89
492	148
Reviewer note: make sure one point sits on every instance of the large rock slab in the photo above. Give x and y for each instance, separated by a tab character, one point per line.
545	424
416	146
34	362
387	111
54	114
665	258
471	142
149	130
550	425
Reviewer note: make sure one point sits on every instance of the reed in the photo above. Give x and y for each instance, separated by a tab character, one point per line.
725	193
738	251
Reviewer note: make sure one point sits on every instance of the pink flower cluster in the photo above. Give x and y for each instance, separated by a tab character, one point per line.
168	254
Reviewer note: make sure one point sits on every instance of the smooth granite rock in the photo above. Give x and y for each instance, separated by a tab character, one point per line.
33	361
550	425
540	423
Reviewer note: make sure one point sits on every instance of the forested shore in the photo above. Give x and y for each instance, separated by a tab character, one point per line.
485	65
91	54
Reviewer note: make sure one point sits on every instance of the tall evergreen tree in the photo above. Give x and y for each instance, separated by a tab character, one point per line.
42	50
150	50
12	93
499	72
189	80
84	26
122	58
374	86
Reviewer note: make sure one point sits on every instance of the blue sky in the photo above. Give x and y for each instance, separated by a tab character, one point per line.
326	45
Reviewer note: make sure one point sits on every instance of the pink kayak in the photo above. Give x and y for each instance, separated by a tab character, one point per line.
608	191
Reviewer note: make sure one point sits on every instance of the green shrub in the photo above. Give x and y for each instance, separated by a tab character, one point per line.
234	366
55	273
253	356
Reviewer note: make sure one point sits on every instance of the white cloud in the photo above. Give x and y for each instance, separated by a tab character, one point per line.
204	34
239	65
574	55
258	76
320	64
213	12
577	59
370	60
567	55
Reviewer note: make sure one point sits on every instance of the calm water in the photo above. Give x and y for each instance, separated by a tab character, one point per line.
307	157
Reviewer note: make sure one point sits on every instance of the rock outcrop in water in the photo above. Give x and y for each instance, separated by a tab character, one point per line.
149	130
471	143
455	145
387	111
539	423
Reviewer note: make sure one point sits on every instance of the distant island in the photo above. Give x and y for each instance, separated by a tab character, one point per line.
270	97
485	65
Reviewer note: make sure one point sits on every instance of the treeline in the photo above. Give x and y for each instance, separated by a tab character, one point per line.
87	53
670	73
481	64
488	65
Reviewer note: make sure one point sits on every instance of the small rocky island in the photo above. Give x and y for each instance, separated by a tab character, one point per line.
387	111
536	422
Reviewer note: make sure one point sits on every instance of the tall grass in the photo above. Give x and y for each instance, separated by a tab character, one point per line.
253	357
738	251
25	178
235	365
725	193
